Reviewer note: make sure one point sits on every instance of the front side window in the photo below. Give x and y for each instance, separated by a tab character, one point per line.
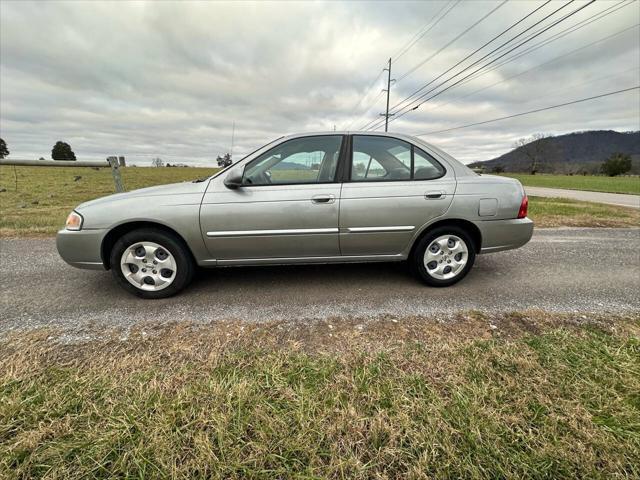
388	159
301	160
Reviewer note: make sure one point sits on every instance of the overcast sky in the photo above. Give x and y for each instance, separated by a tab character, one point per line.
145	79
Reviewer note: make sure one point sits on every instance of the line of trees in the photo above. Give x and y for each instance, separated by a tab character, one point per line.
539	147
60	151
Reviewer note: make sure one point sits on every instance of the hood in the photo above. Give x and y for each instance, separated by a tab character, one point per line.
165	191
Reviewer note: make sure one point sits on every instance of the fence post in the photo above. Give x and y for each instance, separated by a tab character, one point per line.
115	173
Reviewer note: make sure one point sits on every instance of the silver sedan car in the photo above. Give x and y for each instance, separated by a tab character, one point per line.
308	198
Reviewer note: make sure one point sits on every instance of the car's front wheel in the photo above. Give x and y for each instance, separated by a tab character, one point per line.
151	263
444	256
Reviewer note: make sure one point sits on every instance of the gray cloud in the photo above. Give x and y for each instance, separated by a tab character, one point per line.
169	78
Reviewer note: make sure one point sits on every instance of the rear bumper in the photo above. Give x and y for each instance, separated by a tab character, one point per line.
498	235
81	249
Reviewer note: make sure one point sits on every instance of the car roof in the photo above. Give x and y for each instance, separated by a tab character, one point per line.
348	132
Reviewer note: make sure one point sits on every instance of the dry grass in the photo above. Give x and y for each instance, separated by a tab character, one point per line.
520	395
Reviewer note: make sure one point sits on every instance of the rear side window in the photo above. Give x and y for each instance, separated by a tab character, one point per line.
390	159
380	159
425	167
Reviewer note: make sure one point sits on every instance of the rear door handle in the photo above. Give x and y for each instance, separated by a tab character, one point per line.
433	195
323	198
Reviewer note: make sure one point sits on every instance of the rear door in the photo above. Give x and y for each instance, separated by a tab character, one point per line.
392	189
287	206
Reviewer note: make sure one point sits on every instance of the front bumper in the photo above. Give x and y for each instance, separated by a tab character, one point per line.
498	235
81	248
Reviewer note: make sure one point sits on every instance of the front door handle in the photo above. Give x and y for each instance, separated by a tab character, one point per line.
323	198
433	195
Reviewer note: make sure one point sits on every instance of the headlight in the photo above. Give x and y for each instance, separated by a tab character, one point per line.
74	221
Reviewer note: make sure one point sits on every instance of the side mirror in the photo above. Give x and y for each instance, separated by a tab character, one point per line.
233	180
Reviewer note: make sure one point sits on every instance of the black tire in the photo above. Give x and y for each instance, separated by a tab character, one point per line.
185	266
418	267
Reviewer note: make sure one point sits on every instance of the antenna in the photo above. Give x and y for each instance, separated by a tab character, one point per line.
233	133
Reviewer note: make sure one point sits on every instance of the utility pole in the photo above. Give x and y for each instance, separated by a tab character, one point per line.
386	115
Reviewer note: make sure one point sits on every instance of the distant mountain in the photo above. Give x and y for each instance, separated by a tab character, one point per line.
572	153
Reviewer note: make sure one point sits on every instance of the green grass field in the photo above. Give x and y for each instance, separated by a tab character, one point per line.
579	182
536	397
45	196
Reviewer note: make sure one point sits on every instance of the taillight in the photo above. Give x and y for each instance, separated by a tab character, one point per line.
524	206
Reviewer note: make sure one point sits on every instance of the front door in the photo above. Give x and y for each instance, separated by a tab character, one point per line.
393	189
287	206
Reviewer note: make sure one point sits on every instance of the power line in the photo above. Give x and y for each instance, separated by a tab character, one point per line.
557	36
369	109
530	111
413	69
418	36
572	88
483	66
366	92
409	104
484	17
474	52
555	59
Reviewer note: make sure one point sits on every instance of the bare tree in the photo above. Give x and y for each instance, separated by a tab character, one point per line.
536	148
224	160
157	162
3	149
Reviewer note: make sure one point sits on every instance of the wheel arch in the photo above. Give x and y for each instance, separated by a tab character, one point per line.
116	232
469	227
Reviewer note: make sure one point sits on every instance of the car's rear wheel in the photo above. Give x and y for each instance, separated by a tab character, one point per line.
151	263
443	256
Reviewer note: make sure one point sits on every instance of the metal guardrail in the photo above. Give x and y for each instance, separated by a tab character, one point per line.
53	163
110	162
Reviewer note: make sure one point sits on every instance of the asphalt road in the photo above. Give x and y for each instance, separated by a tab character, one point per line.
620	199
562	270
